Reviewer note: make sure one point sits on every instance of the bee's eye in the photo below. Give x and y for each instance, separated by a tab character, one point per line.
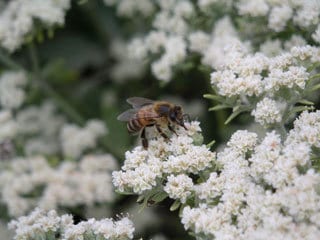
172	116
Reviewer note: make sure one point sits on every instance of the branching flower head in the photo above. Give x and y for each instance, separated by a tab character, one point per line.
144	170
31	182
47	225
17	19
260	189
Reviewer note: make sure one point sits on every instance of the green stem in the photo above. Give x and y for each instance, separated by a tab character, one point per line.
282	131
59	100
6	60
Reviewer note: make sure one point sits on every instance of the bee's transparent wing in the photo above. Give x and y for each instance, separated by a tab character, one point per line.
138	102
127	115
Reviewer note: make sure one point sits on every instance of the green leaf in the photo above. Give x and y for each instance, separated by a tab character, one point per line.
175	205
210	144
306	102
140	198
314	76
214	97
313	66
314	88
219	107
300	109
124	192
50	236
160	196
233	115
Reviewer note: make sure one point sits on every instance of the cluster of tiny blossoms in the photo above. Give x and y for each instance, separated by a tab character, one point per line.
11	93
12	96
49	225
269	87
256	75
265	190
29	182
180	28
39	127
18	17
165	165
75	140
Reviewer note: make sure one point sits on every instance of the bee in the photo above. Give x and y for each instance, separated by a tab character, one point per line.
148	113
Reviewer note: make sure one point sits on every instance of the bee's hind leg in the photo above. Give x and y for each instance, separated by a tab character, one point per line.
161	132
144	139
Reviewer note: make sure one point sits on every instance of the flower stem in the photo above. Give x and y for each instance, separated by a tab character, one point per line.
6	60
59	100
282	131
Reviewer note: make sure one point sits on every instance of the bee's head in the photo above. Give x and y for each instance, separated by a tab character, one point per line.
176	115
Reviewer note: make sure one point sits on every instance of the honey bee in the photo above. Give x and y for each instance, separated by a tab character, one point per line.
148	113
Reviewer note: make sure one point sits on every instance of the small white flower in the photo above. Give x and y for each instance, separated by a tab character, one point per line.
155	40
243	141
179	187
75	139
279	16
11	92
253	8
162	69
199	41
267	112
316	34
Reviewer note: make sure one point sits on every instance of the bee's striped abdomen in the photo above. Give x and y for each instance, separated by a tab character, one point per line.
134	126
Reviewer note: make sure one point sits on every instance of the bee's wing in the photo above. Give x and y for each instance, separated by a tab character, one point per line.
127	115
138	102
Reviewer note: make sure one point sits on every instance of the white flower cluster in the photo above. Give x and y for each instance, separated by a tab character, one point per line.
75	140
266	85
49	225
168	37
279	14
125	67
18	18
26	183
224	35
40	127
174	24
306	129
11	93
169	161
269	194
242	74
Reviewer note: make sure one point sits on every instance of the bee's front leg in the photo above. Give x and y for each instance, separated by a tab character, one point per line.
171	129
161	132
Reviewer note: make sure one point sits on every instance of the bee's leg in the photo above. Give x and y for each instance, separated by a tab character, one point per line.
144	139
171	129
161	133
